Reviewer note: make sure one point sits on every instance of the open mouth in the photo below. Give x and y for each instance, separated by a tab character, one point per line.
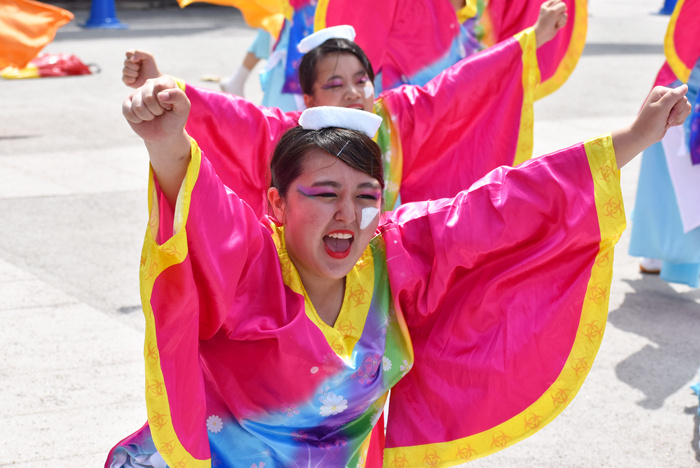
338	243
356	106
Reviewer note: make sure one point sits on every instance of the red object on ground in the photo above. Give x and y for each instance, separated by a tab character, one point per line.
60	65
47	65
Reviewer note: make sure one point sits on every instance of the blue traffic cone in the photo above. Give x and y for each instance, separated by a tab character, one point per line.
668	7
103	15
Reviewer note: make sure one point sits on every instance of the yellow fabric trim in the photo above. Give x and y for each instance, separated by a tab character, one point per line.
320	15
531	78
359	288
12	73
468	11
611	218
154	260
679	68
180	84
392	159
573	52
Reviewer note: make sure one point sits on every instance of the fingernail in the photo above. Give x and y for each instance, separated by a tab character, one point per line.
164	95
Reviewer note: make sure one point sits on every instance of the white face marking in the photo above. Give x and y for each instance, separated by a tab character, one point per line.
369	91
368	215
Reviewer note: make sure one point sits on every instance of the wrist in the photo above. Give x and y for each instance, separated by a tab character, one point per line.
172	148
643	136
538	35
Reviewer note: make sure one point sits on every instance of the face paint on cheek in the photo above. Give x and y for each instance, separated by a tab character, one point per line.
368	215
369	91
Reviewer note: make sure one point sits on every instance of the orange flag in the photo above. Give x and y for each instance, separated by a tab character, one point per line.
26	27
265	14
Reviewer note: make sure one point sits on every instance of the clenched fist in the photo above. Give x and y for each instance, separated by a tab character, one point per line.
139	66
552	18
157	112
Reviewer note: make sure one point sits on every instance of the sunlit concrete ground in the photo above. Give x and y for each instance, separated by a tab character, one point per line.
73	213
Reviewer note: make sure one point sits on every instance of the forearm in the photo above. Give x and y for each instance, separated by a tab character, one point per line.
628	144
169	160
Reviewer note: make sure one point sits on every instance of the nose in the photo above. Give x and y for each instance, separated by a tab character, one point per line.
353	92
345	211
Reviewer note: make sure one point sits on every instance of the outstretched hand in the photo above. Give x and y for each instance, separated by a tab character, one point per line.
139	66
663	109
157	112
552	18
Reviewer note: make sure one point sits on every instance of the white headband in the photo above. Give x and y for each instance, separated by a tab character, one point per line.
317	118
316	39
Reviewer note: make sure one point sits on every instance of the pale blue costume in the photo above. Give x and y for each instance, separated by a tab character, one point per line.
272	78
657	230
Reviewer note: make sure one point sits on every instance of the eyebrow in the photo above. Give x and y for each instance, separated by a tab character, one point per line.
334	184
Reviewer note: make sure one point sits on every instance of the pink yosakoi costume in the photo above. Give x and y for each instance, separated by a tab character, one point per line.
483	313
436	140
558	57
412	42
681	45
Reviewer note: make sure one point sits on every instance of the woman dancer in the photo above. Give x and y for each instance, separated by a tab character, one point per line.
436	140
273	342
666	223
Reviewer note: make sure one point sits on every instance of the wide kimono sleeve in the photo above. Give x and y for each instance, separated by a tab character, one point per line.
558	57
504	290
475	116
238	137
404	41
192	277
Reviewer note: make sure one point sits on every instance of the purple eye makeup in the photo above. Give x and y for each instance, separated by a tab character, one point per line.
374	194
313	191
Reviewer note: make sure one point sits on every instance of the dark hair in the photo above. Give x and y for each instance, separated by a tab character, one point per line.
307	67
355	149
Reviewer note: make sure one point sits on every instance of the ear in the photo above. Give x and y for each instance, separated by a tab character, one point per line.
308	101
277	204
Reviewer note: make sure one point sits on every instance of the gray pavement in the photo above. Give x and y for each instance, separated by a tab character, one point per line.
73	213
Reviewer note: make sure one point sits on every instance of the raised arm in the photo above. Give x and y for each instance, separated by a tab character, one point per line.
551	19
663	109
237	136
505	291
157	112
201	263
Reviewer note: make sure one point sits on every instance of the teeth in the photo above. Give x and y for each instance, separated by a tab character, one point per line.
339	235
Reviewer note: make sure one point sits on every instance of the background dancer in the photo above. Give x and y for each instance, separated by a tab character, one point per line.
666	221
499	83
